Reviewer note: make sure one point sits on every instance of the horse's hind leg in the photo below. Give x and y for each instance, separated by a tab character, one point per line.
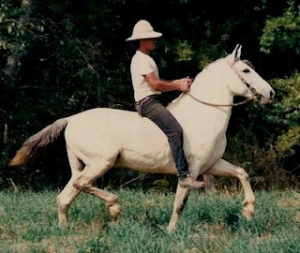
224	168
89	175
64	201
111	200
69	193
179	202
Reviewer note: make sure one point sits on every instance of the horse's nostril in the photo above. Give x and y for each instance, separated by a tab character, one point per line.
272	94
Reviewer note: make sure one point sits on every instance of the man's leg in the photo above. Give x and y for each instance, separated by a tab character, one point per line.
156	112
161	116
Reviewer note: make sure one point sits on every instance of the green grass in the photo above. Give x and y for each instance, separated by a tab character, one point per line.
209	223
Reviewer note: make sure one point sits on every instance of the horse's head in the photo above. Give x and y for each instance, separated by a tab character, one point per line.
244	81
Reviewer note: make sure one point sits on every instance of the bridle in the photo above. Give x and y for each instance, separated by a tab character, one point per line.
256	95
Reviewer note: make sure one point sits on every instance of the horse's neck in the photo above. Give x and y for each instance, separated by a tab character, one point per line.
210	84
209	87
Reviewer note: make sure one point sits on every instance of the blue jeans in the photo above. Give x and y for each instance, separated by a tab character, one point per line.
155	111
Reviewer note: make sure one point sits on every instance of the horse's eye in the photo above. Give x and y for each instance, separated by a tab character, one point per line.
246	70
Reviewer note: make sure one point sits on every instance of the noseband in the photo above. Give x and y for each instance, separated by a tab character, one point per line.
248	85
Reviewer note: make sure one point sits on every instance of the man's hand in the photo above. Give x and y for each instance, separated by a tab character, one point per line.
184	84
158	84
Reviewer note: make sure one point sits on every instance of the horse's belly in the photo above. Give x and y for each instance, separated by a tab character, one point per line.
147	158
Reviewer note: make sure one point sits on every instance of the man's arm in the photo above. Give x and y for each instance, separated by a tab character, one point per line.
162	85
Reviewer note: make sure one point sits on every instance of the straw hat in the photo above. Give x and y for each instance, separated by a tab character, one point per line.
143	30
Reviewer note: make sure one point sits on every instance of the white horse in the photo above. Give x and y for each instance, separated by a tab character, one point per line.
102	138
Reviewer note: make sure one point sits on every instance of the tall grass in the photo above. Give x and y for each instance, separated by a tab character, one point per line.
209	223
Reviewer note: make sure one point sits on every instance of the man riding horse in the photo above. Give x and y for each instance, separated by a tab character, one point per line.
147	90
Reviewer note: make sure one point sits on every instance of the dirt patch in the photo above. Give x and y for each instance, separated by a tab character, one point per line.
94	225
193	250
52	249
297	217
291	201
149	203
2	211
266	237
25	246
218	230
48	244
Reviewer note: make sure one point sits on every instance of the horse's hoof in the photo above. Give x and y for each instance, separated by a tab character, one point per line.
248	214
114	210
62	224
62	221
171	228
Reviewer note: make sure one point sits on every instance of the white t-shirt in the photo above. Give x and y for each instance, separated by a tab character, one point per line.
141	65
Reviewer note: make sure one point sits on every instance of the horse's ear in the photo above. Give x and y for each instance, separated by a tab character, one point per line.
238	52
235	55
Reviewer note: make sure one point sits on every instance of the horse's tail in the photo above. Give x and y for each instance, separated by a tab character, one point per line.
39	140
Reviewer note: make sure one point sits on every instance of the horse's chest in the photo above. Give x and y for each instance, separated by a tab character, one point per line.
217	152
206	152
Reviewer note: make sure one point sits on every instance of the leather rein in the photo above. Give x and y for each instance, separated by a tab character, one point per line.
252	89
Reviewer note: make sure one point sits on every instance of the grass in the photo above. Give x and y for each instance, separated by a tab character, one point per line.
209	223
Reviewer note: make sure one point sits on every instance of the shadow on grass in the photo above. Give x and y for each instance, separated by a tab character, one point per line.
232	218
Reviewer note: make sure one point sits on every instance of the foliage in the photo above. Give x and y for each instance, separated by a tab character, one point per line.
209	223
288	141
265	141
17	31
282	34
287	113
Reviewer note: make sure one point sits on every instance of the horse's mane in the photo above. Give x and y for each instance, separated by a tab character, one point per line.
249	63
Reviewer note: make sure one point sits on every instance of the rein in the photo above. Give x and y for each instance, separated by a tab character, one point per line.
211	104
252	89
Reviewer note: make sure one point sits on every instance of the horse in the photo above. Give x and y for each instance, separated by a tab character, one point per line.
102	138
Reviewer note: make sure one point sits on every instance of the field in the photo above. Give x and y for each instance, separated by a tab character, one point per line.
209	223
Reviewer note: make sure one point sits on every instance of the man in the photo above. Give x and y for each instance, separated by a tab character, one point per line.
147	89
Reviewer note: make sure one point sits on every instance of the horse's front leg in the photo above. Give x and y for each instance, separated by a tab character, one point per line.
224	168
179	202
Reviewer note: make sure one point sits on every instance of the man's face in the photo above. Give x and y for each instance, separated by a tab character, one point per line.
148	43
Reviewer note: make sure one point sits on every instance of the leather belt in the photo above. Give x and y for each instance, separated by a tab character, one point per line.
143	100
